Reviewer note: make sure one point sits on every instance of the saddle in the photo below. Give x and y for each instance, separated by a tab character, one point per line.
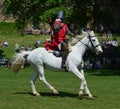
57	53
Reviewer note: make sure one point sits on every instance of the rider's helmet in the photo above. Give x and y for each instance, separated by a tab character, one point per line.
60	15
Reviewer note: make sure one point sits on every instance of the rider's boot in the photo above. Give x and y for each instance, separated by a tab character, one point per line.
64	55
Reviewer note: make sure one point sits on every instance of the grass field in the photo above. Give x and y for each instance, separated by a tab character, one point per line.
9	33
15	89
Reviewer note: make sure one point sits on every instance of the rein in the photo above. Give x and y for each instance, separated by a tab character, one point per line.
89	37
92	42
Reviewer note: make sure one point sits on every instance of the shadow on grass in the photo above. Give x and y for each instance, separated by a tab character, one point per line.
105	72
22	93
61	94
44	94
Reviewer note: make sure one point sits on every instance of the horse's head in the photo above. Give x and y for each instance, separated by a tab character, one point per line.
94	44
89	39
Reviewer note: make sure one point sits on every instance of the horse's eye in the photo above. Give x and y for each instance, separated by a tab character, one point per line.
93	40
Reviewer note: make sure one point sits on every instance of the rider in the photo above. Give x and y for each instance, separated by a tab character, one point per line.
58	37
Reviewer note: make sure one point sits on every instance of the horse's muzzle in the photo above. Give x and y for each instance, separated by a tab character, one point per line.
99	52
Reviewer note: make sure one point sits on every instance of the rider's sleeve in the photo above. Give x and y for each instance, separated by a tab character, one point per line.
56	27
69	32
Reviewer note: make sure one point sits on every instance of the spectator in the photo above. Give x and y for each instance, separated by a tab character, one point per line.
114	42
17	47
6	44
103	44
22	48
28	31
97	64
29	48
108	44
104	35
109	35
37	43
2	61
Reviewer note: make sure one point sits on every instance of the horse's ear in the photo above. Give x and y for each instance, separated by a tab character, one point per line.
92	33
82	31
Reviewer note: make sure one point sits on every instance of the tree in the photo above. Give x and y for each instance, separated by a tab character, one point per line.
106	12
25	11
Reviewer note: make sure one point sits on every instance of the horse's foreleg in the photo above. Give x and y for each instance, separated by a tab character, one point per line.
85	87
81	77
42	78
32	81
87	90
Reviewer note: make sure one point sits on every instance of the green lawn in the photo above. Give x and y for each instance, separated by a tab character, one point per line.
15	90
9	33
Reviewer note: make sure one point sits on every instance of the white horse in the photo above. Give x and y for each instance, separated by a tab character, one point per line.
40	59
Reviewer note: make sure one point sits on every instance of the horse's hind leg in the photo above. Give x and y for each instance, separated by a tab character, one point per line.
42	78
32	81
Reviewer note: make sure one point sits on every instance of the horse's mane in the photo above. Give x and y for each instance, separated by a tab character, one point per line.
77	38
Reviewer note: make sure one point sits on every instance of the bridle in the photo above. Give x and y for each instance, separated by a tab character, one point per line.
93	46
90	39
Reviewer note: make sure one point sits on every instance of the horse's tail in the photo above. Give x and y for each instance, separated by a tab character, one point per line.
19	61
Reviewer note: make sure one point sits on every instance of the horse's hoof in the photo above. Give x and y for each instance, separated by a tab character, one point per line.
80	96
91	98
36	94
55	91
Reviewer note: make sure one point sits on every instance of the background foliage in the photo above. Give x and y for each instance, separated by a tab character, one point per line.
78	12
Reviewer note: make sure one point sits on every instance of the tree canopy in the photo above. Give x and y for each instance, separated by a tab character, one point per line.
78	12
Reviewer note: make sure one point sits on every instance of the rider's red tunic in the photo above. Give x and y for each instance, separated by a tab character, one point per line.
57	38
